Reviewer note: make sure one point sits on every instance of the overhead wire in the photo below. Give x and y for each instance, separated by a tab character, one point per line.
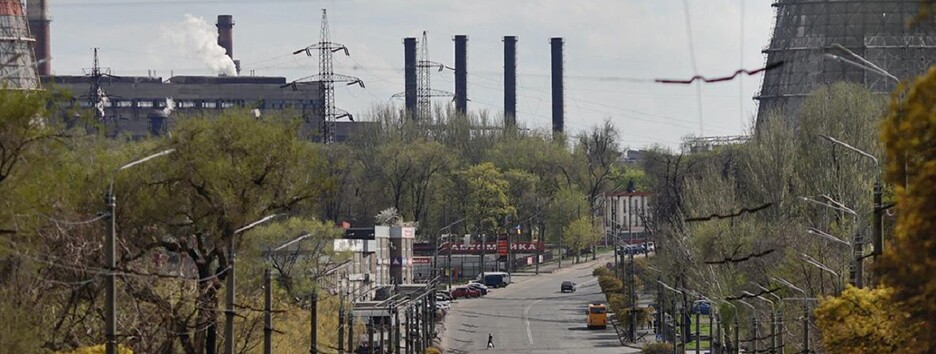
695	69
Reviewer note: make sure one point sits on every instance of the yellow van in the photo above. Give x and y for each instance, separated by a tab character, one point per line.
597	316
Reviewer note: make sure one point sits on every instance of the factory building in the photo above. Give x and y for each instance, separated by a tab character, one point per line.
136	106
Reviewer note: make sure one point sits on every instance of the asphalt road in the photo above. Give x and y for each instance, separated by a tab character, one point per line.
532	316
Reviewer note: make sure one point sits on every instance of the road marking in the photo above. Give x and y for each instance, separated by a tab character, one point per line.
526	320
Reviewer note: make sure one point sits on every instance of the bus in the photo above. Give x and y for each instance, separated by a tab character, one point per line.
597	316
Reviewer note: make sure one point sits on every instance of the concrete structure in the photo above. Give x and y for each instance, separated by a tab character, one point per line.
625	213
39	17
874	29
401	252
17	53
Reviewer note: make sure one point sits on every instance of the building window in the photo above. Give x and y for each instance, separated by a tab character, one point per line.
186	104
210	104
144	104
226	104
124	104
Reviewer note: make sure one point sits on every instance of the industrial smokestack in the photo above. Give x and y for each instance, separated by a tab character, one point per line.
226	37
226	34
510	81
409	75
39	17
461	73
558	119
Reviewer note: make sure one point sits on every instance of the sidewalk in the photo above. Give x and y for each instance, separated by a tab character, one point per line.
553	265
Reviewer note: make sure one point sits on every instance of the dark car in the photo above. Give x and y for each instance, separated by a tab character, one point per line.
701	307
465	292
567	286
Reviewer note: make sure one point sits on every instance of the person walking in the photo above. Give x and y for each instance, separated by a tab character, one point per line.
490	344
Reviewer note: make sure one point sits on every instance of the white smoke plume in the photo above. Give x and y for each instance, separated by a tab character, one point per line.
195	35
170	105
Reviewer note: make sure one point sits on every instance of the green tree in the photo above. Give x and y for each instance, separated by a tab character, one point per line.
487	201
908	262
225	173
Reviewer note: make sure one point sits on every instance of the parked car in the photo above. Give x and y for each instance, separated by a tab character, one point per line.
630	250
465	292
443	295
567	286
480	287
701	307
443	305
496	280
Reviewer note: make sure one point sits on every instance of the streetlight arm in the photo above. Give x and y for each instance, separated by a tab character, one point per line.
852	148
255	223
297	239
150	157
827	236
827	205
861	66
789	285
864	61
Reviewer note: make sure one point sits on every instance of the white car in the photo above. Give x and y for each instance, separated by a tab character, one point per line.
443	305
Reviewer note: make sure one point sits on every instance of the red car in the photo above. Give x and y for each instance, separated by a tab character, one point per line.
465	292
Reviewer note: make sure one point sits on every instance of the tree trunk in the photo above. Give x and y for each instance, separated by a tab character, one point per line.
207	304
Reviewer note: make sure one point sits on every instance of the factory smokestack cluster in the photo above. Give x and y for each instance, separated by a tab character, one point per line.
39	17
226	38
558	117
461	73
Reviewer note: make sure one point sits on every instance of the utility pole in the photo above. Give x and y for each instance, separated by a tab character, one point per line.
313	311
341	318
110	310
423	88
877	225
805	328
267	312
395	341
351	328
327	79
737	333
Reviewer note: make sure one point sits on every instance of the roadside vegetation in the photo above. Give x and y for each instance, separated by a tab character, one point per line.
177	214
734	219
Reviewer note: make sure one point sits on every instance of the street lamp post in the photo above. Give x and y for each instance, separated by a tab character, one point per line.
805	312
776	328
877	236
867	65
110	255
737	336
675	315
857	271
753	323
812	261
229	311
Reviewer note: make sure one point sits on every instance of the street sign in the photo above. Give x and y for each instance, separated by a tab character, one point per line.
502	247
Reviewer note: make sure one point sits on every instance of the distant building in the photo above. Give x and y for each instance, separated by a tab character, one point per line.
136	105
626	213
381	257
632	157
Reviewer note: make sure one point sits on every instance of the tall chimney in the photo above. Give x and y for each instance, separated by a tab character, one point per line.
510	81
39	17
558	119
409	75
461	74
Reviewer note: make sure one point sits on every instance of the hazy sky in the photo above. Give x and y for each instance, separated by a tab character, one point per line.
613	50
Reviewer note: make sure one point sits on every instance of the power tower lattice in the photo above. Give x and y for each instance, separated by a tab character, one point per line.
17	53
327	78
424	91
96	96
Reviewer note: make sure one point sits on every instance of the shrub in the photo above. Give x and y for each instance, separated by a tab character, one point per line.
657	348
433	350
609	284
601	271
98	349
